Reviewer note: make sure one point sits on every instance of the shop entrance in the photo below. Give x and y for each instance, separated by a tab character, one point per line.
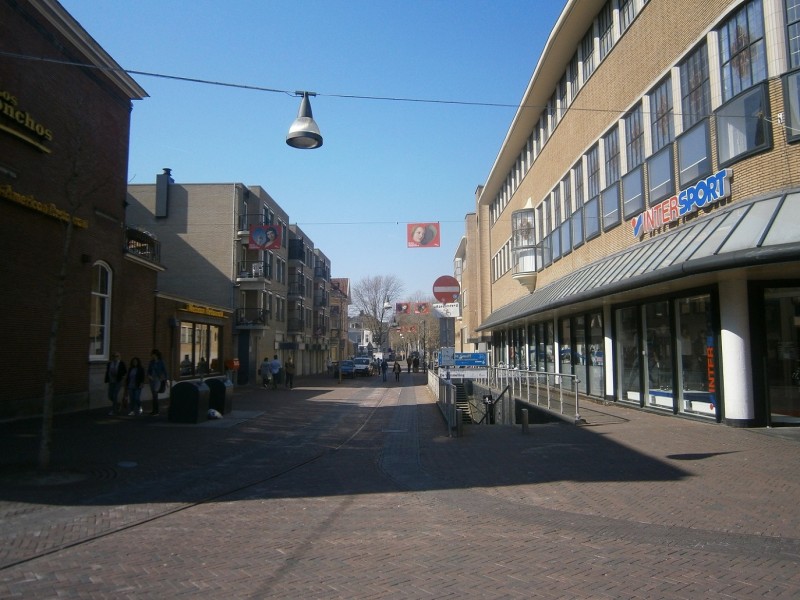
782	368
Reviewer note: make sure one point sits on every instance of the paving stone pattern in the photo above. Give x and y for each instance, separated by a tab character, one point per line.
356	490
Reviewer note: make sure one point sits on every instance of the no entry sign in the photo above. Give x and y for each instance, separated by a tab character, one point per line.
446	289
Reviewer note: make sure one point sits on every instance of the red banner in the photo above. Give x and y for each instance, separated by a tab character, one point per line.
423	235
264	237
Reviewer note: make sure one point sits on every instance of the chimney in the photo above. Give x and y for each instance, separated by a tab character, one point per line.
162	193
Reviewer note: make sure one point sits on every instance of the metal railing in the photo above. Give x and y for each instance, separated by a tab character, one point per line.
557	392
445	393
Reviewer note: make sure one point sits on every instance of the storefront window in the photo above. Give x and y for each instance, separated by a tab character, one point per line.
200	349
782	328
696	348
596	355
658	350
628	352
565	350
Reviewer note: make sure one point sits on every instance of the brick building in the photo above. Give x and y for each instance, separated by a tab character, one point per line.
64	132
638	227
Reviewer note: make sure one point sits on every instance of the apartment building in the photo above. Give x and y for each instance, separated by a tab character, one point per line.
638	228
259	287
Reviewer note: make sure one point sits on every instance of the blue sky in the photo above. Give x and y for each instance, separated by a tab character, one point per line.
384	163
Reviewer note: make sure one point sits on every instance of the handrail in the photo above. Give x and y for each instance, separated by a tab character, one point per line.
524	382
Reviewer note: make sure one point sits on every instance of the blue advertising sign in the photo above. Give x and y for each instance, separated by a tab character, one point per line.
470	359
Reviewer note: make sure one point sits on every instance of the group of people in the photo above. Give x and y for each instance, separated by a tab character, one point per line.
273	372
130	380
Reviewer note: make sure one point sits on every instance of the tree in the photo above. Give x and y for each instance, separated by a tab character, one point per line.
372	296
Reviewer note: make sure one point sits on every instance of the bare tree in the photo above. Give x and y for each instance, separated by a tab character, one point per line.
372	296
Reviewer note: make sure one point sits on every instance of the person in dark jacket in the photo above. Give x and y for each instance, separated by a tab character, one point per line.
115	378
133	386
156	374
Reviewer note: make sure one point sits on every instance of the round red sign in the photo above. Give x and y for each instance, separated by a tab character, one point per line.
446	289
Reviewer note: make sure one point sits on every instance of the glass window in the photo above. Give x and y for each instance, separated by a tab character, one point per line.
694	154
566	238
578	171
556	244
611	148
791	102
593	171
605	25
587	52
567	187
661	126
742	50
632	193
100	312
695	87
793	30
611	207
596	355
591	218
577	227
572	79
660	181
627	12
698	392
634	137
558	214
741	128
628	352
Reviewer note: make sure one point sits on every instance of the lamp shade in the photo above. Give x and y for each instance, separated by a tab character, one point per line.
304	132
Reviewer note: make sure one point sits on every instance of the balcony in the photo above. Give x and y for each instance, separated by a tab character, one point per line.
245	220
320	298
296	289
322	272
295	325
253	274
252	318
142	245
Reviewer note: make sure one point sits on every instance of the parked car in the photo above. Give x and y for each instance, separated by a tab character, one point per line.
347	368
363	366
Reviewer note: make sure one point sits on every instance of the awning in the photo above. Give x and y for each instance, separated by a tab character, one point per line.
755	232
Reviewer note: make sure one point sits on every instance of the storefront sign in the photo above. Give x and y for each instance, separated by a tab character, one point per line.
701	194
51	210
203	310
21	124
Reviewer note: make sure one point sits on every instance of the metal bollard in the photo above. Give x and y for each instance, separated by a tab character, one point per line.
524	420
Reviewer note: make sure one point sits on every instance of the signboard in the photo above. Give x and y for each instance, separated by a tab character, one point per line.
451	309
446	357
446	289
465	373
470	359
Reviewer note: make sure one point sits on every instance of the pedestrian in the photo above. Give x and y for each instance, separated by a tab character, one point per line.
156	377
186	365
115	378
134	380
408	362
384	368
275	371
264	371
397	369
289	370
416	364
202	366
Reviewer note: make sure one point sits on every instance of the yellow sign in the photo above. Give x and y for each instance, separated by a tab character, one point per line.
21	124
203	310
51	210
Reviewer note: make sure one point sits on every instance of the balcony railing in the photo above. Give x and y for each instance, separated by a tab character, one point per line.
296	289
320	298
254	269
257	317
142	245
245	220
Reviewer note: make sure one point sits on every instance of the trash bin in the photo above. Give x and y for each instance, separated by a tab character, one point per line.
220	395
188	402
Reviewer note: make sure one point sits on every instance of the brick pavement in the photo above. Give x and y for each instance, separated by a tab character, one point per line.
356	491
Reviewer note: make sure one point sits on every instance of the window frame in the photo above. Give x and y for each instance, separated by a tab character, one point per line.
653	197
101	292
637	173
732	106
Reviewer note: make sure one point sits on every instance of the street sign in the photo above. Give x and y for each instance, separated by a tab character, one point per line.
470	359
446	289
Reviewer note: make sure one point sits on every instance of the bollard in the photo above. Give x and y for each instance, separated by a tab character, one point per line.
459	422
524	420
